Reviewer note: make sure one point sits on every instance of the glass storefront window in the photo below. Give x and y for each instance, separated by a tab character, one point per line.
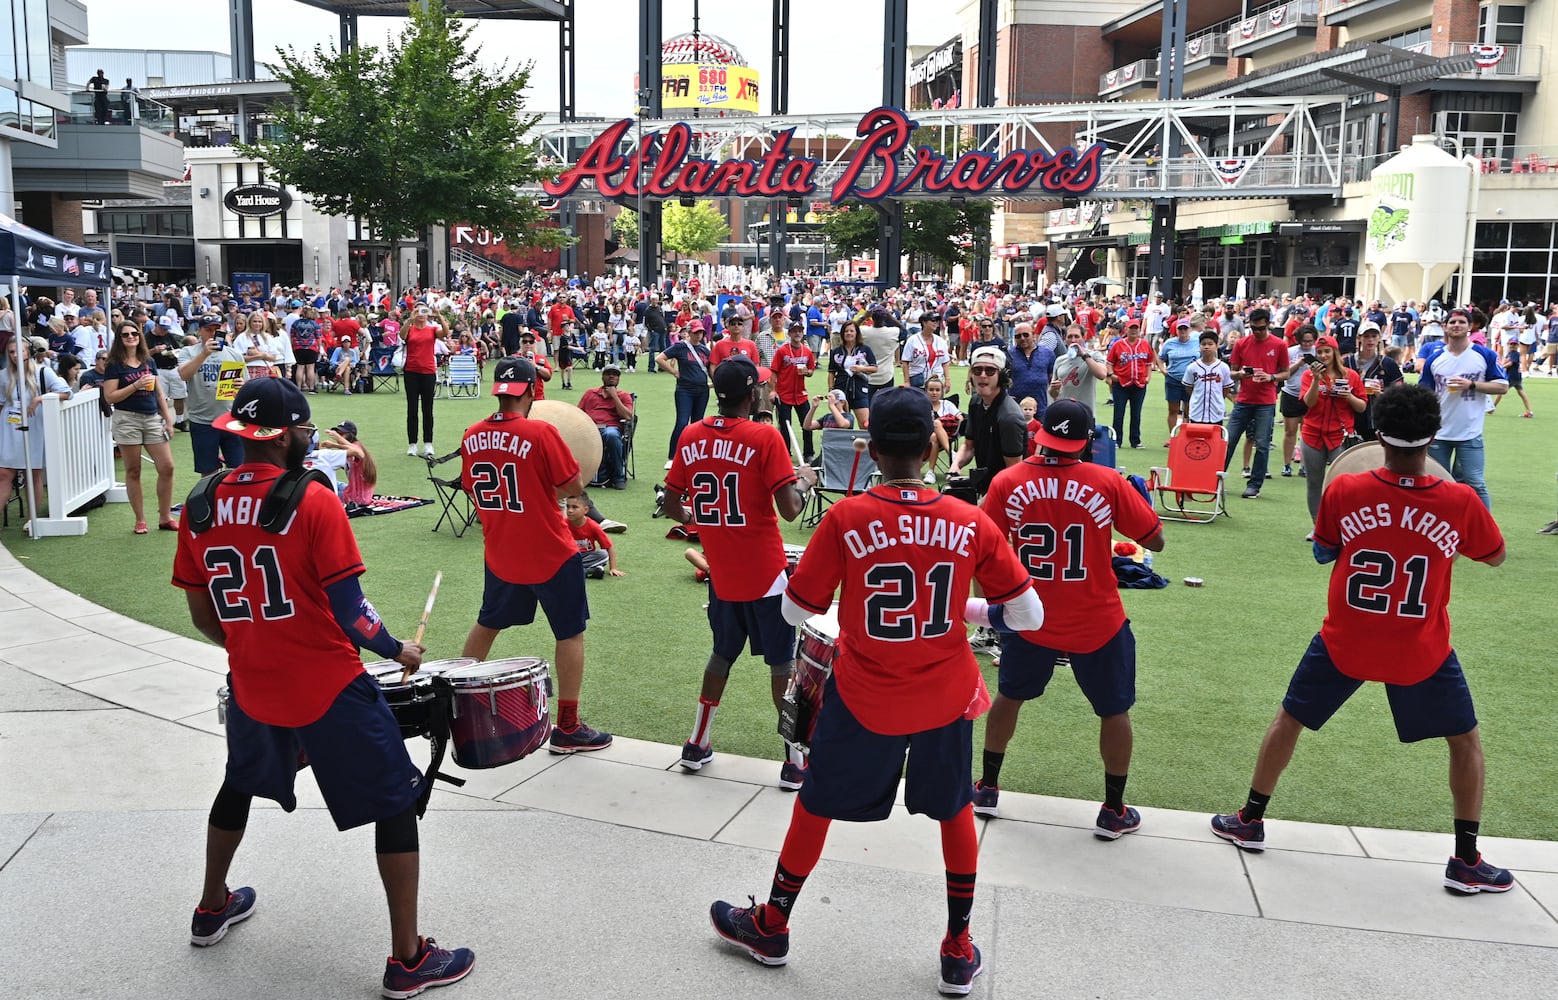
1530	235
7	41
40	65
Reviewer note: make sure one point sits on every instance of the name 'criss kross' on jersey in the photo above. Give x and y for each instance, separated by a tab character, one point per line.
1444	535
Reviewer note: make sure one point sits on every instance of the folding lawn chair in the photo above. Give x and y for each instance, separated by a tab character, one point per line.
844	471
381	368
1194	479
628	434
458	510
464	376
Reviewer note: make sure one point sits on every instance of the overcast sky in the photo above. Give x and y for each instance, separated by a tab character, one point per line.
836	45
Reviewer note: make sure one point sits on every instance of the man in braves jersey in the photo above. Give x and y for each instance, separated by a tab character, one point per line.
793	362
516	470
1463	374
1130	362
905	681
1393	534
285	603
1061	512
728	474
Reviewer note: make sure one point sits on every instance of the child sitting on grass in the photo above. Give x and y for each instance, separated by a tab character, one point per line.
600	557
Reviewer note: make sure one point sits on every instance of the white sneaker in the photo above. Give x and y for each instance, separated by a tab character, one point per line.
668	465
611	527
412	451
427	450
930	479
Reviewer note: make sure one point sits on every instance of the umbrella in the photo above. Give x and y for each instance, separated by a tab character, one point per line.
1197	294
1105	281
1243	290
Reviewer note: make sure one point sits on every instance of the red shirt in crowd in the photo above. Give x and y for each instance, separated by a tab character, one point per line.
793	361
728	346
1330	419
418	336
1265	354
601	409
589	536
1131	361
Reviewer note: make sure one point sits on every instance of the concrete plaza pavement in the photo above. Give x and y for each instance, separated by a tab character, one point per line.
592	876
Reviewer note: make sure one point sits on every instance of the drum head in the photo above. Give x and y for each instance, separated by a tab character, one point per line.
478	674
825	625
1368	456
388	672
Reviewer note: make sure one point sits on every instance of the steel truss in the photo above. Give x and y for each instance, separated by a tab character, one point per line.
1243	147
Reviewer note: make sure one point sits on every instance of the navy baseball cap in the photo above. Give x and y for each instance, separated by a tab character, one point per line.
264	408
513	377
1067	426
735	378
901	415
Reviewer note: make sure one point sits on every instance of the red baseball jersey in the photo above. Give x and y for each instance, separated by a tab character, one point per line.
288	657
725	348
729	469
1387	616
1061	515
1131	361
589	536
512	467
905	557
792	362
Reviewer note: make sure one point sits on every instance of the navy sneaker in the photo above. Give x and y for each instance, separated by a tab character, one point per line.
694	756
986	800
960	963
792	776
434	966
1232	828
210	926
1113	825
582	739
743	926
1484	876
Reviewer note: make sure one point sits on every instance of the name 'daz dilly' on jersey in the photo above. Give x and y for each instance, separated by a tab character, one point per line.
1387	616
1061	515
903	560
729	468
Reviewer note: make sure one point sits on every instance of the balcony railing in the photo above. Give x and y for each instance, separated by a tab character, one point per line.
1493	62
140	111
1135	74
1200	51
1495	160
1273	20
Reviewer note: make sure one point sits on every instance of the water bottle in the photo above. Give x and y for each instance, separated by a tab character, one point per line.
1147	560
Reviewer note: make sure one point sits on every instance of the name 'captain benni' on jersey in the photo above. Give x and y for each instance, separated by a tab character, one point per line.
1387	616
1060	514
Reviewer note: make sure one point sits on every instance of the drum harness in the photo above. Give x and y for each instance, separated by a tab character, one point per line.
276	511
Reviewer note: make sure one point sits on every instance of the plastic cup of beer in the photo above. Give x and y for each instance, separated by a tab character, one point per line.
1373	386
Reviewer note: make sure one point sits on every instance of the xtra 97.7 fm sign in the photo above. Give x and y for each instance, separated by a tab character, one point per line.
670	170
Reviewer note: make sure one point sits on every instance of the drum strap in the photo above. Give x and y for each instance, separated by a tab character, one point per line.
276	510
440	720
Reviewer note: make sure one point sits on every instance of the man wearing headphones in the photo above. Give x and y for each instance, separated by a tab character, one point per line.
1061	512
997	430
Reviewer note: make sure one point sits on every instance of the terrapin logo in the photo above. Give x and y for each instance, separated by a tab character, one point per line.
1388	226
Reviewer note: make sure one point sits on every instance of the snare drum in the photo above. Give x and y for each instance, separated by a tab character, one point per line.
410	701
813	667
500	710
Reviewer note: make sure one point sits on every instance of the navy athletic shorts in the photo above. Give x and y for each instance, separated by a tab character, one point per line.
1436	707
1107	675
562	599
356	750
852	773
758	624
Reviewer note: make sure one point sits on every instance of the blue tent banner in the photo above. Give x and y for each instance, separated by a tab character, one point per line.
39	258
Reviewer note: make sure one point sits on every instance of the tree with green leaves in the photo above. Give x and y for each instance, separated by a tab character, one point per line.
414	134
691	231
938	231
625	225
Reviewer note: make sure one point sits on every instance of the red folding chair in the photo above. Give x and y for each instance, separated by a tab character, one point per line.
1192	488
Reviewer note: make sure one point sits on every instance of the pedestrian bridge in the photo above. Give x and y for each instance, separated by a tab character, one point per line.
1238	147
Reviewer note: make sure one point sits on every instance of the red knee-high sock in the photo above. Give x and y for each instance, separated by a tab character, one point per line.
960	853
802	848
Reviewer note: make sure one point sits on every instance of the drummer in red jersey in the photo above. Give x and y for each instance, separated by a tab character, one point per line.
516	471
728	474
287	607
1061	513
905	681
1393	534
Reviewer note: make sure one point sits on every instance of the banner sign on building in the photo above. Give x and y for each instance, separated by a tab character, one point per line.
710	86
883	165
257	201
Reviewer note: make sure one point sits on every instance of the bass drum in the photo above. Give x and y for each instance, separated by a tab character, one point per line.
1368	456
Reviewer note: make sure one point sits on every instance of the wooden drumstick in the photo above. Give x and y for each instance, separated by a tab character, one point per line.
427	611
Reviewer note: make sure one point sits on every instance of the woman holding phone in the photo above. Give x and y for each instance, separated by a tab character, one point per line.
141	420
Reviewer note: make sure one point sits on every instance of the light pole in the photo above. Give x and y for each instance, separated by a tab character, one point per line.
642	96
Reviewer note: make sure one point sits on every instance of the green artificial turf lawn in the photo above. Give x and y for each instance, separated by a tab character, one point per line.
1213	662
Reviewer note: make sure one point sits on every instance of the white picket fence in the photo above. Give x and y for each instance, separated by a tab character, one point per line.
78	460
